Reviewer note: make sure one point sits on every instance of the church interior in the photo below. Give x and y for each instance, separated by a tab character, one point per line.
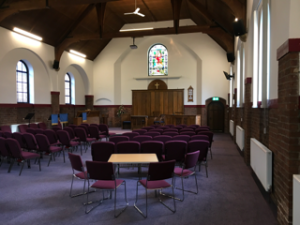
135	63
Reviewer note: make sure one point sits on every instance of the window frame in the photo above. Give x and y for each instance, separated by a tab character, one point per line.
166	74
27	82
70	88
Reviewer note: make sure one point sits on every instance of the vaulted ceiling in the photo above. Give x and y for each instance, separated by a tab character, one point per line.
88	26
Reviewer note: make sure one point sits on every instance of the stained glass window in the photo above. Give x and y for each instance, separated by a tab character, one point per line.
158	60
67	89
22	82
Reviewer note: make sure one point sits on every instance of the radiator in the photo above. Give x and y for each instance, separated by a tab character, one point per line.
261	162
239	138
296	199
231	127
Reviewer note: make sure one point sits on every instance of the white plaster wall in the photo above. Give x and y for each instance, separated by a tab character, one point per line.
15	47
196	57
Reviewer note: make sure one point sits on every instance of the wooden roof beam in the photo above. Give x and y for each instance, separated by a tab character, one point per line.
203	11
176	5
100	7
237	8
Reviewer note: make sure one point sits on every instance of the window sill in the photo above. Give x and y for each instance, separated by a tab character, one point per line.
156	77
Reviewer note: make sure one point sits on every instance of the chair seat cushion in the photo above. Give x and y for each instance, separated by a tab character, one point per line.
29	155
111	133
55	149
90	139
157	184
81	175
73	143
185	173
107	184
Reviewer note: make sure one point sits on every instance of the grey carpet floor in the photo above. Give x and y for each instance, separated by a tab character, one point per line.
228	196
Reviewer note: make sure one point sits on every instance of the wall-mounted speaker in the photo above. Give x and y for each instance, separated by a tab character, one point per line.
230	57
238	28
56	65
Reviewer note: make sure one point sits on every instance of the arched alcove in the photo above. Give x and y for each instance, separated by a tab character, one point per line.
215	107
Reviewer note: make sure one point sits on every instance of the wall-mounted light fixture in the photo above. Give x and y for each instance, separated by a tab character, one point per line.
77	53
27	34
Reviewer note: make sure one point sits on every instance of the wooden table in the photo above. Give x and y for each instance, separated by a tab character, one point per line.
137	158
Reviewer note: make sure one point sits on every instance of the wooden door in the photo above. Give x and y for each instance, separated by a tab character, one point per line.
215	116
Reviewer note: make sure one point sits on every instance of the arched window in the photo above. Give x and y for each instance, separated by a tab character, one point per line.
22	82
68	92
158	60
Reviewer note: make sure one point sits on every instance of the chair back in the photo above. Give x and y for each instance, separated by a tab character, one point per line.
193	126
124	147
13	148
85	124
157	130
209	134
190	133
155	147
182	125
56	128
7	134
83	127
191	159
94	131
171	133
22	128
101	151
200	137
186	129
33	125
100	170
39	131
19	137
161	170
152	134
148	128
169	125
201	129
76	162
51	135
117	139
170	130
175	149
42	126
64	137
30	130
42	142
131	135
200	145
3	147
30	141
140	131
73	126
1	133
70	131
163	138
142	138
80	133
6	128
182	137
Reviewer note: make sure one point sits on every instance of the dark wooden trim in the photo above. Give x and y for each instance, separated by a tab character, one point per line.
291	45
248	80
55	92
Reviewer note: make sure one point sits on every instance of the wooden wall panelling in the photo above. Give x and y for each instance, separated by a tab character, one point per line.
165	107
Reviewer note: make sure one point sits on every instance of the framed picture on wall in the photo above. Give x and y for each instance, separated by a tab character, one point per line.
190	94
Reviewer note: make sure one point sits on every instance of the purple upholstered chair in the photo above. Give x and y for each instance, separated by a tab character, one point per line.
188	169
44	146
1	133
104	175
171	133
200	137
52	137
190	133
178	127
4	152
193	126
7	134
152	134
101	151
117	139
140	131
210	136
65	140
186	129
131	135
175	149
18	155
86	128
6	128
148	128
22	128
157	174
42	126
94	132
73	126
170	130
85	124
19	137
157	130
30	130
182	125
155	147
182	137
33	125
78	172
71	133
201	145
83	138
124	147
142	138
169	125
163	138
104	127
55	129
201	129
31	143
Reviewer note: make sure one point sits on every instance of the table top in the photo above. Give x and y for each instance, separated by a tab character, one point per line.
133	158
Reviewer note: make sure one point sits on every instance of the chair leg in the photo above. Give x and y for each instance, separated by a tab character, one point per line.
11	165
22	167
88	203
172	210
136	199
210	152
115	207
50	158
